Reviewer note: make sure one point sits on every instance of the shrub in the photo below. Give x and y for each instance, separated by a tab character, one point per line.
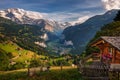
4	60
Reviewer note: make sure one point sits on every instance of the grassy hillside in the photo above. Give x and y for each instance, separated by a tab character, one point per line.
16	56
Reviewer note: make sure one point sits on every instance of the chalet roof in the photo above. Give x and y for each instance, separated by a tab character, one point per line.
114	41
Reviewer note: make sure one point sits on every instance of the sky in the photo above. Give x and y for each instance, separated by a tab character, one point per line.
63	10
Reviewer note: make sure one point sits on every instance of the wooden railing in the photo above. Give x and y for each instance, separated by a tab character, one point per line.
100	71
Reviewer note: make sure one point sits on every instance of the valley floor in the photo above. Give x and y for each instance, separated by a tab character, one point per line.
55	73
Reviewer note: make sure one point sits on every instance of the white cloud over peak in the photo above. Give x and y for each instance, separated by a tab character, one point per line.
68	16
80	20
111	4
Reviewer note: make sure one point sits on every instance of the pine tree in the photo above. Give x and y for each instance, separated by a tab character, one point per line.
117	18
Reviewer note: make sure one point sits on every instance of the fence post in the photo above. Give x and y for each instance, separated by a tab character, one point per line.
28	71
118	75
61	66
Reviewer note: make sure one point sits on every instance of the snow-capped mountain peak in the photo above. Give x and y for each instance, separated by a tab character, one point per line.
22	16
19	14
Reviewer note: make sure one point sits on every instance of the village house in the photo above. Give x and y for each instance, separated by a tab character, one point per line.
109	49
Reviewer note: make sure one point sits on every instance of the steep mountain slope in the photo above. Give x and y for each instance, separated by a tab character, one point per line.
26	36
81	34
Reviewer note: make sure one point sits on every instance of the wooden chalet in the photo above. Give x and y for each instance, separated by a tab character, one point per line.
109	49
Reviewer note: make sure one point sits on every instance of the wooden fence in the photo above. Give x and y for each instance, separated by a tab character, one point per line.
33	71
99	71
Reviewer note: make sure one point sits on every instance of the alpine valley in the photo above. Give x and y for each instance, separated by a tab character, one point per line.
32	31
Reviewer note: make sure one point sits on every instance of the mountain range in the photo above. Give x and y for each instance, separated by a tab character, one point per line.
54	35
22	16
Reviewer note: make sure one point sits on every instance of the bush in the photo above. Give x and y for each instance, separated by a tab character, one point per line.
18	65
90	50
4	60
35	63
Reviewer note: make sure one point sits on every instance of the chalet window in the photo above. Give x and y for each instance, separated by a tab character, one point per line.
110	50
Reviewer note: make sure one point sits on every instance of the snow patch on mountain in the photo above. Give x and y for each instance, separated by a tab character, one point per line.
80	20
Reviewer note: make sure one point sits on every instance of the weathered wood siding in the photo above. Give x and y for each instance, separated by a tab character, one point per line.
117	57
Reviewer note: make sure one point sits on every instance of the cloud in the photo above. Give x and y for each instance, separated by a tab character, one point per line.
89	4
111	4
58	10
80	20
68	16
